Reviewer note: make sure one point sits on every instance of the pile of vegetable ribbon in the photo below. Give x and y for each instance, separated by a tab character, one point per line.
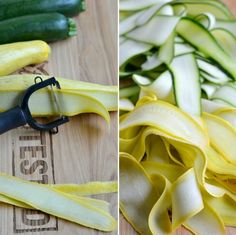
178	116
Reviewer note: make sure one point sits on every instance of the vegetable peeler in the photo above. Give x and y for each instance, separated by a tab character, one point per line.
21	115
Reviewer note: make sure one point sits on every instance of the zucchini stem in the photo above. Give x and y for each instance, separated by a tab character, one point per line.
72	28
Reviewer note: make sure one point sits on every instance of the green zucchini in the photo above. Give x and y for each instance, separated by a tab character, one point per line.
187	45
212	73
210	106
142	17
195	34
213	79
47	27
129	91
209	88
152	62
182	48
166	51
134	5
208	20
227	41
226	93
162	87
227	25
187	88
129	23
141	80
125	105
164	55
14	8
197	7
130	49
163	25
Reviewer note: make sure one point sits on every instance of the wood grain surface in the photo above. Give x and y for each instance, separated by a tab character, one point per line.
125	228
85	149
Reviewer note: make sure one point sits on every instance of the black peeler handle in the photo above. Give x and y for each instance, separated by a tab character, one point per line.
11	119
21	115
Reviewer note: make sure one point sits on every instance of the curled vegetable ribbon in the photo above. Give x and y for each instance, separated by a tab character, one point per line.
74	97
176	169
64	201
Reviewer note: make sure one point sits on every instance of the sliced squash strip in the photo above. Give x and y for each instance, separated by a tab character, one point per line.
125	105
228	114
187	86
75	192
210	106
183	152
71	104
15	85
222	136
132	199
170	171
218	164
162	87
182	202
135	145
225	207
130	146
207	221
226	40
14	202
228	25
141	17
99	204
73	92
226	93
207	19
206	43
91	188
196	7
156	150
144	33
41	103
129	49
209	70
166	118
173	153
57	203
159	221
132	5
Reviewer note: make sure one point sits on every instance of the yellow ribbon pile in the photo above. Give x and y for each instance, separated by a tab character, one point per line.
176	169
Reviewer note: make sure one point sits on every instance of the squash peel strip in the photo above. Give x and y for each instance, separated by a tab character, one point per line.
75	97
91	188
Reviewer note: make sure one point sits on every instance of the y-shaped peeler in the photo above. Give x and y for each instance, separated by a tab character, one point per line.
21	115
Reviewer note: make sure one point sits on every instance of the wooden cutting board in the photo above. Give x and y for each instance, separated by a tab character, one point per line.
85	149
125	228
